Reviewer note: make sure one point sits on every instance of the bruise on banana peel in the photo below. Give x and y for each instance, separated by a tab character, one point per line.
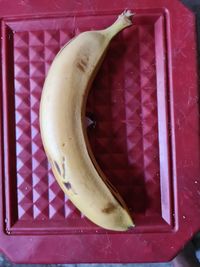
57	167
63	167
109	208
82	63
67	185
63	132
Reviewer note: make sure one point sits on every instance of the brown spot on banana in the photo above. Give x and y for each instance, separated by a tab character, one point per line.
109	208
57	167
68	185
83	63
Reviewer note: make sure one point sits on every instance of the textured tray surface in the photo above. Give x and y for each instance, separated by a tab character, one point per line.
123	102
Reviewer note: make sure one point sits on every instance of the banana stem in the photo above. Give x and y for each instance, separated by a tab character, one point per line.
123	21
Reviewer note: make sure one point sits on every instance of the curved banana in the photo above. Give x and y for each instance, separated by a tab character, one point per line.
62	113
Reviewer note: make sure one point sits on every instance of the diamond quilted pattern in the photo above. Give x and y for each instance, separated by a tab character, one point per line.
149	114
36	69
21	54
24	195
21	85
21	40
40	196
21	69
36	53
50	53
36	38
124	105
71	212
56	200
52	37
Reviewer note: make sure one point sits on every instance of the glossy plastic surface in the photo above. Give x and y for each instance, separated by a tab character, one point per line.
145	106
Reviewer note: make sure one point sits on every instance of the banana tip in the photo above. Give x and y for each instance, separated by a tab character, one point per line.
127	13
130	227
126	16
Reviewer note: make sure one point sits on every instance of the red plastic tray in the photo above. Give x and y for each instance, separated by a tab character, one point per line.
145	104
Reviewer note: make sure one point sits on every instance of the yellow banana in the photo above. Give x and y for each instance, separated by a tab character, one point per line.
62	114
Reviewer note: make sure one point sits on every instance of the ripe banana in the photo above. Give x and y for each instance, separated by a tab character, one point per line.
62	117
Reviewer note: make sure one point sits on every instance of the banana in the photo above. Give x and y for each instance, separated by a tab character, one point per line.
63	131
